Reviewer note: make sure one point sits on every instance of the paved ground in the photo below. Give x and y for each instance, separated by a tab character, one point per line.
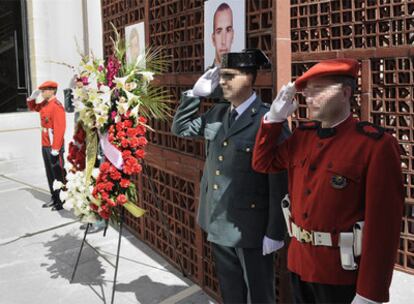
38	248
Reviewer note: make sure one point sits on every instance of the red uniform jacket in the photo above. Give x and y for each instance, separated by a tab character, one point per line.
53	122
317	159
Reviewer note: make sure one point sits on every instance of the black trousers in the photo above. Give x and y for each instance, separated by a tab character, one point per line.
54	166
244	274
306	292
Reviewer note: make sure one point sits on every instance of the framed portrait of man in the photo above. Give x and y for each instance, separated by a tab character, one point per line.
224	29
135	44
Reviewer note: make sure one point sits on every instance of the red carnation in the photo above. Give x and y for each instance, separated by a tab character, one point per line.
128	124
111	203
121	199
124	183
142	141
140	153
124	143
142	119
105	167
115	175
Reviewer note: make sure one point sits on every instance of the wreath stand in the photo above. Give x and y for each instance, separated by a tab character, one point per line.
121	223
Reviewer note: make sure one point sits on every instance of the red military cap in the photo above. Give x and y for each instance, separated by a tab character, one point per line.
48	84
343	66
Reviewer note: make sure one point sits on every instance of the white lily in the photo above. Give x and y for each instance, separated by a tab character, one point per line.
147	76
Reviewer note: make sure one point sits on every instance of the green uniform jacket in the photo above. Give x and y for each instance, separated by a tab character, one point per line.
238	206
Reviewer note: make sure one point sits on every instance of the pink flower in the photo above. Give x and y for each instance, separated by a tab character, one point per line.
121	199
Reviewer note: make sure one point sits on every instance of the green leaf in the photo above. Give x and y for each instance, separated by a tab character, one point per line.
134	209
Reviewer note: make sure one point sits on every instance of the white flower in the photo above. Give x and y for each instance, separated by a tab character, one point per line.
147	76
95	173
134	111
122	107
63	195
57	185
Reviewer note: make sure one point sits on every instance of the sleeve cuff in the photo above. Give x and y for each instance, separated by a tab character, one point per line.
267	119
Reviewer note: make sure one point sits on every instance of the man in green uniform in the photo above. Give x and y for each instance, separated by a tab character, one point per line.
239	208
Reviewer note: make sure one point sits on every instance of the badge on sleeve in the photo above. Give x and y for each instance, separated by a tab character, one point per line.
338	182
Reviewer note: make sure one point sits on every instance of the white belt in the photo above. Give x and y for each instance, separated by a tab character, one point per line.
316	238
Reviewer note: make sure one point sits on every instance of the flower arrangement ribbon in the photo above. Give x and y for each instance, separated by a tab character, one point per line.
110	151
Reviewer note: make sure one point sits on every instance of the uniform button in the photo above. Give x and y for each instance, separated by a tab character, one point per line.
225	144
253	205
247	149
312	167
330	165
215	186
307	192
305	216
217	172
221	158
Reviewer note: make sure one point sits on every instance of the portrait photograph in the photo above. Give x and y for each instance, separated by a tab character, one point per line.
224	29
135	43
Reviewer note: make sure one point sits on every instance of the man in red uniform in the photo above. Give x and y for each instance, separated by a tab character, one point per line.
345	182
53	123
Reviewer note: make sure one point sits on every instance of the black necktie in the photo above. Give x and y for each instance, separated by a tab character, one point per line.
232	117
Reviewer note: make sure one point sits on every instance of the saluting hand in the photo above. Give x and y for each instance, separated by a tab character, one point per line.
35	94
283	106
206	84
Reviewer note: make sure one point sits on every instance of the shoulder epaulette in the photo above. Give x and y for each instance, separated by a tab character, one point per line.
309	125
370	130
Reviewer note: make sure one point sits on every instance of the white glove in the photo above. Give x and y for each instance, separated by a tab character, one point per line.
283	106
270	245
54	152
361	300
206	84
35	94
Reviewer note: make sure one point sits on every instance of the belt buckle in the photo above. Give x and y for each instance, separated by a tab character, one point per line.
305	236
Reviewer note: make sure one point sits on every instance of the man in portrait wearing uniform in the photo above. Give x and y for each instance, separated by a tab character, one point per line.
223	32
53	123
239	209
345	187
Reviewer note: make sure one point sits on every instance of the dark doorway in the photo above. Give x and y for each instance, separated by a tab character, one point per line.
14	65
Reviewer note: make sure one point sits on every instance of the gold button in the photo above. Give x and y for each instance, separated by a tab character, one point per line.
221	158
215	187
225	144
253	205
247	149
217	172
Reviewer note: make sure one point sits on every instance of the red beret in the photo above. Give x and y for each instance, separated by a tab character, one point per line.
343	66
48	84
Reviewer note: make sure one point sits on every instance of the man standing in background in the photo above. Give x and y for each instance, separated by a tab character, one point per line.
53	123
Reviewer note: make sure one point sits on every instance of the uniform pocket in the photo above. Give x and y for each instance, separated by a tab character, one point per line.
243	151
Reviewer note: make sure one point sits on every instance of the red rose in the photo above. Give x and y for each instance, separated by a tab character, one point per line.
121	199
124	183
142	119
142	141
